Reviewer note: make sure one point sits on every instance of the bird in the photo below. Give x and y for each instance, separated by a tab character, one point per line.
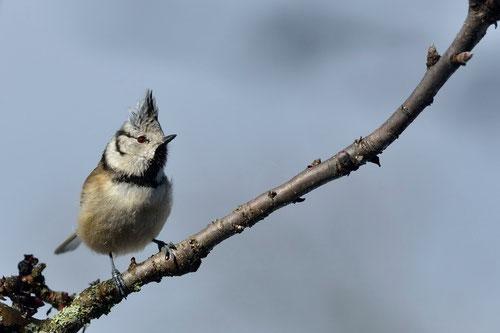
126	200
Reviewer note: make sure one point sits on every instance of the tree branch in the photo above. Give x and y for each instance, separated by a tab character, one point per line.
12	320
100	298
28	292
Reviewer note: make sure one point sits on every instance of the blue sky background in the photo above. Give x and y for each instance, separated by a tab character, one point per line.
256	90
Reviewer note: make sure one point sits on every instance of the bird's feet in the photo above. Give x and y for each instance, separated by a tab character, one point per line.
166	247
119	283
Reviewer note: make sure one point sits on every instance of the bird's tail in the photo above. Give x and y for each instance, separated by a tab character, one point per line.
69	244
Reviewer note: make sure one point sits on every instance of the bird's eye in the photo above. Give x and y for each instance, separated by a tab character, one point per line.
141	139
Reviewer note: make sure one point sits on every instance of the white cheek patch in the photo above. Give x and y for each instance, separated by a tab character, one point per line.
124	160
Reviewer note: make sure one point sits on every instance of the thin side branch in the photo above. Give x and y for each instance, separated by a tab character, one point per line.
100	298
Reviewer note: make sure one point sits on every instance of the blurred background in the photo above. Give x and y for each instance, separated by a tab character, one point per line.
256	90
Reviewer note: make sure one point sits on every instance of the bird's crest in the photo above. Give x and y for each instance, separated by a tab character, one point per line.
145	117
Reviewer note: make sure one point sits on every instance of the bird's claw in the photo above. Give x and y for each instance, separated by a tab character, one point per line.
166	247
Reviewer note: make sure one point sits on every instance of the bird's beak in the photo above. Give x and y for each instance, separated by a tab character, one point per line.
169	138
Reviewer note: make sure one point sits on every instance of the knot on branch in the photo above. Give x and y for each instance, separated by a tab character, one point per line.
489	9
199	250
476	5
272	194
345	164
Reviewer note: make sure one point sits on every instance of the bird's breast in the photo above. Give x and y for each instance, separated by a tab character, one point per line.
123	217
